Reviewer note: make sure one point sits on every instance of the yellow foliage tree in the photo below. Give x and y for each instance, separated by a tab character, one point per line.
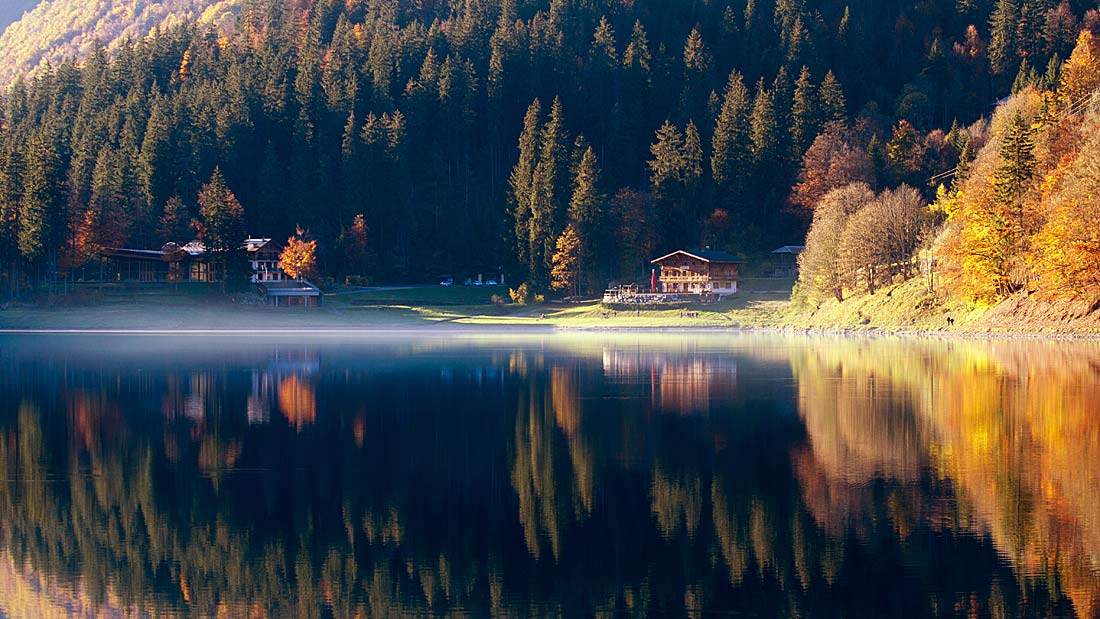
564	271
299	258
979	251
1067	248
1081	73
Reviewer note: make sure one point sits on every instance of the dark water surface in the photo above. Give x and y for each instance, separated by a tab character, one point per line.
587	475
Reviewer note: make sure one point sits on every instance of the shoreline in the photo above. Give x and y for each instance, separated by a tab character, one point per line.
474	330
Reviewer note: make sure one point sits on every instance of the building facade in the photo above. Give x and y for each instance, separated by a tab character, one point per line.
263	257
698	272
189	263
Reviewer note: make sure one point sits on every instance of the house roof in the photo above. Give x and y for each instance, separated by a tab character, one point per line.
790	249
251	245
149	254
289	288
194	248
706	255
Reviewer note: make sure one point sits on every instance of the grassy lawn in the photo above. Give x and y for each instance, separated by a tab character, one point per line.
424	295
761	303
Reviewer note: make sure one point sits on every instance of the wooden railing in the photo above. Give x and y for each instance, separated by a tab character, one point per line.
686	279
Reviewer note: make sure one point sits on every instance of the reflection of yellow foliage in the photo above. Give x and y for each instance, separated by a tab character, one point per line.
298	401
1012	426
677	503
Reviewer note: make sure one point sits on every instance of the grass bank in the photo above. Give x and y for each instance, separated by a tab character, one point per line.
761	304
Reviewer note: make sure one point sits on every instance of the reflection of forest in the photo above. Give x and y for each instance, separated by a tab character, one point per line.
1008	433
553	481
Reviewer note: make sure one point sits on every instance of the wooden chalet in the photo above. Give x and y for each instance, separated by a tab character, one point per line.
704	272
191	263
263	257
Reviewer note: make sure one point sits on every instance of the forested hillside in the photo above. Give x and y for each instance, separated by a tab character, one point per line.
1016	218
58	29
475	133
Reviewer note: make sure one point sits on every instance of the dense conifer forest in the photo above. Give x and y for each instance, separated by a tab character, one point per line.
471	134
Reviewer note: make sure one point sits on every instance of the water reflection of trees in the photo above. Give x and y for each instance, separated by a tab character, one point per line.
411	493
1008	433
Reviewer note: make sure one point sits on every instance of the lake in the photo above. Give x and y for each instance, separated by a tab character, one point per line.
531	475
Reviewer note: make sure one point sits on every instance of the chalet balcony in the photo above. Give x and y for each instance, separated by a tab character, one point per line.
686	279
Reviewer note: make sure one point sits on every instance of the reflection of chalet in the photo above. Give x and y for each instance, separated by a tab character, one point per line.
699	272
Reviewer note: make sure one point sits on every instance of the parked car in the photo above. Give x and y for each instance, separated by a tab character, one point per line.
447	283
491	282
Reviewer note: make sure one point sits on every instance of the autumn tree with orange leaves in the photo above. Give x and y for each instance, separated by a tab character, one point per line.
299	258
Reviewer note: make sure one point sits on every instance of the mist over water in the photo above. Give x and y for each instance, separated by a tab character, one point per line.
566	475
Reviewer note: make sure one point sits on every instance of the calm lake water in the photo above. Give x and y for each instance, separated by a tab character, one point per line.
586	475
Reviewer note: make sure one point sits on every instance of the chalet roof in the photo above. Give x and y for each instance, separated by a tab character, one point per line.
194	248
253	245
706	255
148	254
790	249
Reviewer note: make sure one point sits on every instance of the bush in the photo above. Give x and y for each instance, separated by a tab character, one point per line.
498	300
521	295
357	280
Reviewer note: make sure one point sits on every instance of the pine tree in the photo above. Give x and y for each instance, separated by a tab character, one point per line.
586	205
764	132
154	165
1016	169
1002	43
693	154
520	182
175	222
833	106
666	166
41	205
905	152
804	115
1030	32
548	189
731	158
637	55
222	224
104	224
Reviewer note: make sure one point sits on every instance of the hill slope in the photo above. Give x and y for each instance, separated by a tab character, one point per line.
55	29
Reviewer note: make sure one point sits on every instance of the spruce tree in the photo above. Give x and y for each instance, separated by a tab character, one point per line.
1002	39
586	211
834	108
548	188
1016	167
175	222
764	133
666	166
804	115
521	180
222	228
731	156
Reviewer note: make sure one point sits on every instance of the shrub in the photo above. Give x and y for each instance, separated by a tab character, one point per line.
521	295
